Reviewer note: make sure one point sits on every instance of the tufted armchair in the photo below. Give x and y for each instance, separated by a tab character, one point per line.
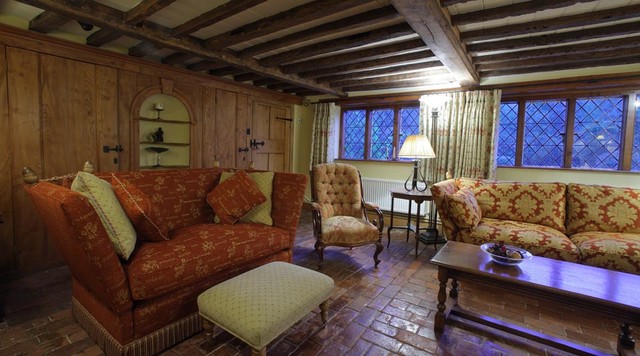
339	210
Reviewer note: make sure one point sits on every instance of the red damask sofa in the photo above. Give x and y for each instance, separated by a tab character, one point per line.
591	224
148	302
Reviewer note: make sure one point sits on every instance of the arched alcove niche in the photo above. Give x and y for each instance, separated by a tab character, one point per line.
163	125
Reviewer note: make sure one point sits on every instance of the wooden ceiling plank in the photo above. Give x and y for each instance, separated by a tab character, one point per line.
102	37
394	85
281	86
145	9
408	58
107	17
578	64
206	65
379	72
590	18
247	77
213	16
283	20
521	8
582	48
353	41
47	21
356	56
177	58
265	81
564	58
430	21
559	38
226	71
361	20
387	78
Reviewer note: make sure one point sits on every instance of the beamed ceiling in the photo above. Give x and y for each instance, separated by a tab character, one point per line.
307	47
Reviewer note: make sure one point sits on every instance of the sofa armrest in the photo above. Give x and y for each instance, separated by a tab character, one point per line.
287	197
376	209
78	234
439	191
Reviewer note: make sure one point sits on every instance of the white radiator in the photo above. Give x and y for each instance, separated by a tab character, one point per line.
378	191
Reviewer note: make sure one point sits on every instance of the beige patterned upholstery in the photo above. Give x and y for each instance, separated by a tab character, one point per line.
339	210
259	305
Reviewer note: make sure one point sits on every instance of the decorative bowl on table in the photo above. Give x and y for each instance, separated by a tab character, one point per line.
505	254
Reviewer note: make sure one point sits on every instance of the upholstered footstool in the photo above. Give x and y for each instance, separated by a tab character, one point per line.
259	305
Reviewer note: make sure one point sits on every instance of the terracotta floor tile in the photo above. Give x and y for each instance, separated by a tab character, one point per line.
384	328
382	340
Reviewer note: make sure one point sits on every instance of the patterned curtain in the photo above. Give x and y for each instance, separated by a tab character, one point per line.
463	136
324	138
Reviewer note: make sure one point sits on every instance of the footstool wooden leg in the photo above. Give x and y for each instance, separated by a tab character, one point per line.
208	327
262	352
324	311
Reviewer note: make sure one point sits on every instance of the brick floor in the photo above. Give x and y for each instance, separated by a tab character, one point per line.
373	312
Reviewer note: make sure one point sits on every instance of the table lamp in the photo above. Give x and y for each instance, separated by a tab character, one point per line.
416	147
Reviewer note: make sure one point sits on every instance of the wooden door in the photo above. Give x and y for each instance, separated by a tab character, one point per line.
271	137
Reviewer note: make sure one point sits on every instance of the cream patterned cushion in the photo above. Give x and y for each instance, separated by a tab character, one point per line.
262	213
261	304
348	230
118	226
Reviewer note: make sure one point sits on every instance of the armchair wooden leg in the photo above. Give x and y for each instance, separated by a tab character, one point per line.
379	248
320	250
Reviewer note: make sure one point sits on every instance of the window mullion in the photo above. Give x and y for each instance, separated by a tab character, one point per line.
628	124
367	135
396	132
569	133
520	132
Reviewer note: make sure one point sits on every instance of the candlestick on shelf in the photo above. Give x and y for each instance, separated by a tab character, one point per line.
158	107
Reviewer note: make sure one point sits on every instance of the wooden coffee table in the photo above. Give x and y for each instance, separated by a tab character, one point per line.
589	289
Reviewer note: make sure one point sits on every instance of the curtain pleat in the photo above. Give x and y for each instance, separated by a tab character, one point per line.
324	138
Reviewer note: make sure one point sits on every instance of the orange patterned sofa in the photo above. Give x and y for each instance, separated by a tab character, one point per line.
591	224
148	303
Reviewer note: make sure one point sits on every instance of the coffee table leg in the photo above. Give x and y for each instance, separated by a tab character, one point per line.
625	339
441	316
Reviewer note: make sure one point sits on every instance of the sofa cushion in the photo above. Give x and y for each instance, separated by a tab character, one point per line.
464	209
261	214
536	203
540	240
197	252
145	216
104	201
602	208
611	250
348	230
235	197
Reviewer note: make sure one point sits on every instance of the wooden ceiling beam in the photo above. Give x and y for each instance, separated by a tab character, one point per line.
338	44
350	23
398	84
559	38
177	58
380	72
206	65
408	58
281	86
517	9
283	20
266	81
142	49
416	76
577	64
586	19
226	71
213	16
577	49
356	56
247	77
47	21
431	22
107	17
134	16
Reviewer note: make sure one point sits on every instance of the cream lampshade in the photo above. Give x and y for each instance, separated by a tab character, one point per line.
416	147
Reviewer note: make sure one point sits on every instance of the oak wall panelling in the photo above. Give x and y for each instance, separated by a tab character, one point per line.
61	102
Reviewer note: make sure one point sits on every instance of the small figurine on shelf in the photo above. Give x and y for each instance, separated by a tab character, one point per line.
158	136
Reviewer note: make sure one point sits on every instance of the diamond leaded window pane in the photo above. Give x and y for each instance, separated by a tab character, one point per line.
598	132
354	125
409	123
544	130
381	134
635	153
508	133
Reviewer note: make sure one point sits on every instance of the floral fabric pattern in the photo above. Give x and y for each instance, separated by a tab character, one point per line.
616	251
536	203
261	214
348	230
439	191
538	239
464	209
603	208
235	197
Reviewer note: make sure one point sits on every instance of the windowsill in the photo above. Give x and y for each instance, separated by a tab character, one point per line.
374	161
605	171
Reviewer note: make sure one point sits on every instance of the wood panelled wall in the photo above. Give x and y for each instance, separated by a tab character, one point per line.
60	103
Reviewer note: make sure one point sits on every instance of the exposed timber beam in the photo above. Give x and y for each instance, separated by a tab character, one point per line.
134	16
380	72
206	65
226	71
142	49
247	77
107	17
577	64
398	84
356	56
338	44
629	28
176	58
266	81
587	19
443	72
47	21
217	14
521	8
430	21
350	23
283	20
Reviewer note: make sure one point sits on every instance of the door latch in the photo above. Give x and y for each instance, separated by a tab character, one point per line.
245	149
117	148
254	143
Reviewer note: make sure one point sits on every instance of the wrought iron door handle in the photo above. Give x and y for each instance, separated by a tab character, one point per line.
254	143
